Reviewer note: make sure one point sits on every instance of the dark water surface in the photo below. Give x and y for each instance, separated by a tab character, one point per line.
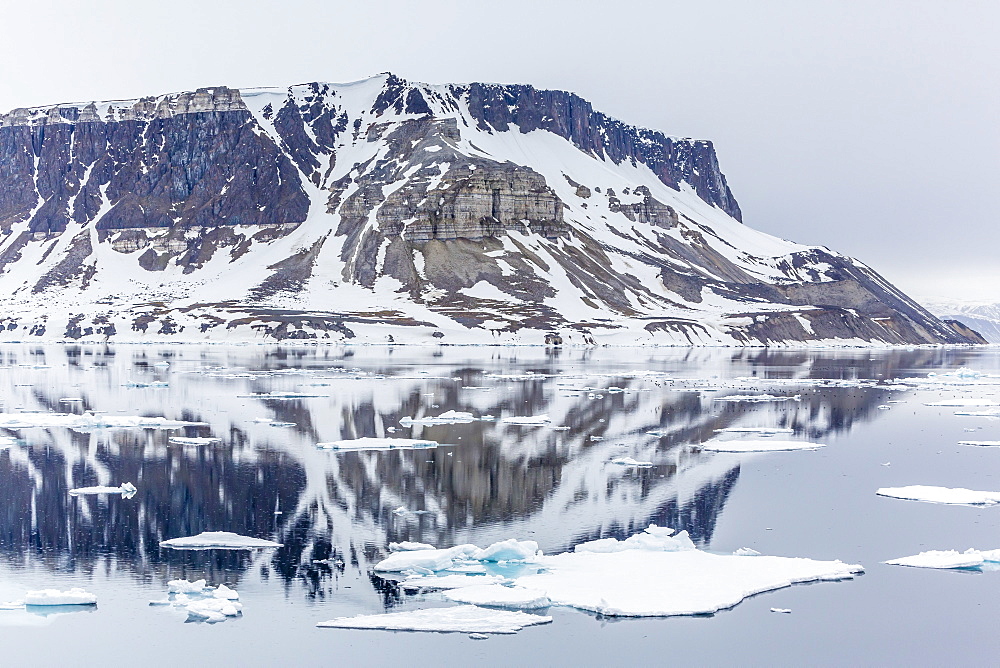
491	482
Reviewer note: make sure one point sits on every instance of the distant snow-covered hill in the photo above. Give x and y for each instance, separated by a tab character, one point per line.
984	317
385	210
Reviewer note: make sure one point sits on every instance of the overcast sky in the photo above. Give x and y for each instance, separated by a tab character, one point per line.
869	127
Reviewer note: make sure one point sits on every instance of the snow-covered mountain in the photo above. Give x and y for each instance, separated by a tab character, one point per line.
984	317
385	210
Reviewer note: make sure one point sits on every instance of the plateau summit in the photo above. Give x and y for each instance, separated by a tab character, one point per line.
390	211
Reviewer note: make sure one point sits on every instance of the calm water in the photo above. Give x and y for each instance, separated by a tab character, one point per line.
489	482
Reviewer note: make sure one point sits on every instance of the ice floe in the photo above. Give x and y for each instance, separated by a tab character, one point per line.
193	440
281	395
963	402
406	545
201	602
527	420
225	540
686	582
74	596
654	539
185	587
432	560
628	461
508	550
125	489
949	495
941	559
786	611
448	417
458	619
451	581
754	398
89	421
982	443
499	596
758	446
369	443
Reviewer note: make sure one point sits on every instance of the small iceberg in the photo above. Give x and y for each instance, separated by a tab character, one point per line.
127	490
527	420
758	446
499	596
460	619
185	587
508	550
430	560
949	495
201	602
193	440
448	417
941	559
628	461
407	546
368	443
222	540
75	596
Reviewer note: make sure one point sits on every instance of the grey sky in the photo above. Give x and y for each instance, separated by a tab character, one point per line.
869	127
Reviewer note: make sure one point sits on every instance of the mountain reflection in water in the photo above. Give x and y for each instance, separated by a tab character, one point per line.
488	481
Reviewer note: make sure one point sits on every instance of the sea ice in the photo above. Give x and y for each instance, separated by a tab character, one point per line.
192	440
74	596
982	443
224	540
368	443
459	619
963	402
528	420
950	495
185	587
746	552
786	611
499	596
628	461
508	550
758	446
655	583
126	489
407	546
448	417
213	610
758	397
432	560
89	421
941	559
654	538
437	582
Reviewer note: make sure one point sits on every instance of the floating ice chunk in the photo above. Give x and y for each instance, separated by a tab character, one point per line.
433	560
986	414
754	430
11	605
185	587
224	592
950	495
746	552
74	596
528	420
407	546
758	446
368	443
126	489
628	461
963	402
499	596
982	443
193	440
89	421
448	417
941	559
654	538
7	441
459	619
213	610
758	398
437	582
281	395
223	540
478	636
508	550
786	611
687	582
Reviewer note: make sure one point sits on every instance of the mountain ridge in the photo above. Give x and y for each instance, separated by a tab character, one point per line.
386	210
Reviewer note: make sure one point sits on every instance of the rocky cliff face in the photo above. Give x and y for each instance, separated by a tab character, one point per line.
385	210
